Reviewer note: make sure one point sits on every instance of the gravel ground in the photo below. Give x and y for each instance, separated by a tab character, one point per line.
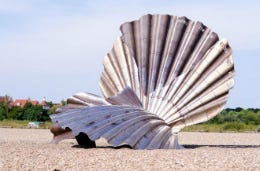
28	149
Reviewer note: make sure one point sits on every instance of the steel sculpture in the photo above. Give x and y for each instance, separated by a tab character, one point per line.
164	73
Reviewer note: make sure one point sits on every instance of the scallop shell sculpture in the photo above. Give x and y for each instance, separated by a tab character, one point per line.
164	73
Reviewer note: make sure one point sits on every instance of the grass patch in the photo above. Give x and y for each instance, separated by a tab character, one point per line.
21	124
225	127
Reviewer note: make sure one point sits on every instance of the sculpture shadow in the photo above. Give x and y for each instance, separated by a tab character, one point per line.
85	142
185	146
219	146
104	147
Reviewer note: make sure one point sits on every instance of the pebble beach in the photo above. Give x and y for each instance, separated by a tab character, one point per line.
29	149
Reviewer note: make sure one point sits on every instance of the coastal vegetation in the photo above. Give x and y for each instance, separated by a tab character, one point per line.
235	120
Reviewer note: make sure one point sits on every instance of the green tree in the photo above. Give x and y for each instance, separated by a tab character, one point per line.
15	113
53	109
50	104
2	111
249	116
35	113
63	102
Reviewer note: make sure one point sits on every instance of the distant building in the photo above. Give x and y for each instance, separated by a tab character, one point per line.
21	102
7	99
44	104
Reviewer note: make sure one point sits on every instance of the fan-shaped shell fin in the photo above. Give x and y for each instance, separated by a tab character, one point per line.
82	99
87	99
102	121
181	65
125	97
119	72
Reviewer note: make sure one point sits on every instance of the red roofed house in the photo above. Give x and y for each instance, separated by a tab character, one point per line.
44	104
22	102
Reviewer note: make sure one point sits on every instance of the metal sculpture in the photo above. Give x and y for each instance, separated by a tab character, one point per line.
164	73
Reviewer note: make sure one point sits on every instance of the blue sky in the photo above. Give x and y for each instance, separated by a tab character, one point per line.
54	48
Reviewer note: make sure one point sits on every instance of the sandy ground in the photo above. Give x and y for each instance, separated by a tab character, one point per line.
28	149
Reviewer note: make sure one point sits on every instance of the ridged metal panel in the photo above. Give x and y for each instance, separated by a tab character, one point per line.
120	125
